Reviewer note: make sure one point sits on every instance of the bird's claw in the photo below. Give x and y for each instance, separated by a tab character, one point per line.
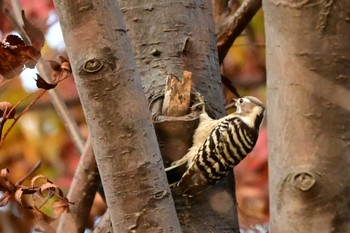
200	103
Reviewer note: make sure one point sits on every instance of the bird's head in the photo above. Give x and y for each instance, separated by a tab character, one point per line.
252	109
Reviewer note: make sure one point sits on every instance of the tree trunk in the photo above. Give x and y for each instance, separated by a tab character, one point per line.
123	139
168	37
308	57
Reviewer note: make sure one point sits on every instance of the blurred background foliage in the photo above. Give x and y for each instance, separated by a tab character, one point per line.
40	135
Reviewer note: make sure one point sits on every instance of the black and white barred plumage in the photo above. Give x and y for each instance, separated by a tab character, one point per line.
219	145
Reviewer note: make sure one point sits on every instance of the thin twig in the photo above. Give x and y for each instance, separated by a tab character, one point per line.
47	198
19	116
229	85
57	101
36	166
63	111
21	113
232	25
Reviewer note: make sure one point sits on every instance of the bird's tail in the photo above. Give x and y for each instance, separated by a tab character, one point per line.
175	171
178	168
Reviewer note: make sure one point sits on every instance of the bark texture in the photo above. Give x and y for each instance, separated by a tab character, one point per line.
169	37
308	60
122	135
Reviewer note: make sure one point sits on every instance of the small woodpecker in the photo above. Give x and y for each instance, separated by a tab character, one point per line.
218	146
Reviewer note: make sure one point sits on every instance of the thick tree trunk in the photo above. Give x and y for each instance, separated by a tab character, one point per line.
123	139
168	37
308	60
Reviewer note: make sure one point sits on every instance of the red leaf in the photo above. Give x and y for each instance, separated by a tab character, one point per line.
41	83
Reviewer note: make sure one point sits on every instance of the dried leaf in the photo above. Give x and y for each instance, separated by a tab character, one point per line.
37	178
63	59
18	195
60	206
5	108
60	71
23	191
41	83
35	35
14	40
55	66
4	173
39	215
5	184
48	187
16	55
26	55
65	64
9	64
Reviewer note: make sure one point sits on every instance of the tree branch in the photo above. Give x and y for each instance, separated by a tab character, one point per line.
104	225
233	24
81	192
122	135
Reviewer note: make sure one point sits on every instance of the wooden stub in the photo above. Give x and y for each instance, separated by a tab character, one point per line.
177	95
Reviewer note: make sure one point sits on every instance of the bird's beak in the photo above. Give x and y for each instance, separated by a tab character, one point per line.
235	100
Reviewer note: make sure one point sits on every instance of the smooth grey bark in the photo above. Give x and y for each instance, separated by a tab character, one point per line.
308	86
168	37
122	135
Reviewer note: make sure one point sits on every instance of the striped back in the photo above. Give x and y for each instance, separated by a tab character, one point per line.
224	148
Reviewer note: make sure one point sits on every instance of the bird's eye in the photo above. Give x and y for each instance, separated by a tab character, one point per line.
240	101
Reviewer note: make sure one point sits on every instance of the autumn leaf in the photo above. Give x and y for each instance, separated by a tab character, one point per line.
41	83
48	187
35	179
45	190
15	55
5	183
21	191
9	64
61	70
55	66
39	215
60	206
65	63
6	186
14	40
35	35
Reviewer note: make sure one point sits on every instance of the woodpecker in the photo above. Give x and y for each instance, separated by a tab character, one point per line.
219	145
